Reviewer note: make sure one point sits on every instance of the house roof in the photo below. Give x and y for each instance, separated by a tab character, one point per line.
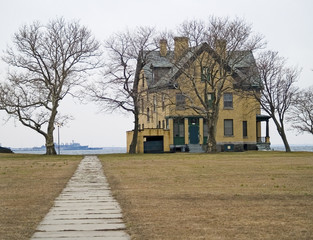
157	61
260	118
245	69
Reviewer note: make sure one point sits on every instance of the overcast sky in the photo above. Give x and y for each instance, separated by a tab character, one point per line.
286	25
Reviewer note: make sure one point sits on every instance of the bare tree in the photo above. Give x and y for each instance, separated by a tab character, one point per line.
301	114
218	49
195	30
46	63
278	90
118	89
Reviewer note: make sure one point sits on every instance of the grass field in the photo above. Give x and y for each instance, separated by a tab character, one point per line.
250	195
28	186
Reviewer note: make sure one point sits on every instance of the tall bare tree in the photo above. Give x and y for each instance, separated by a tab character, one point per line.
218	47
278	90
118	89
46	63
301	114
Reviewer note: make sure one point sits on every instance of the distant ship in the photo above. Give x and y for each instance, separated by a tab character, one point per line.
74	146
62	147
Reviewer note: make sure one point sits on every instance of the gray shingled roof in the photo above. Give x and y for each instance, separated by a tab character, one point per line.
154	61
244	69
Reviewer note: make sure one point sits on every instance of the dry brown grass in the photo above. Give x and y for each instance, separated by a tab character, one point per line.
251	195
28	186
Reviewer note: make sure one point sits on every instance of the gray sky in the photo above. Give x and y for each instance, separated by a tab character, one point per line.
285	24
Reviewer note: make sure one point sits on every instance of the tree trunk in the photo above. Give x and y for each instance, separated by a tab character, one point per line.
283	136
50	150
133	145
285	141
211	144
140	65
281	132
212	148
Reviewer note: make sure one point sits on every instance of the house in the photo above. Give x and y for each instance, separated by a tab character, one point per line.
175	100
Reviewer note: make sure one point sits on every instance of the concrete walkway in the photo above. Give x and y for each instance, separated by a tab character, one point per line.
85	209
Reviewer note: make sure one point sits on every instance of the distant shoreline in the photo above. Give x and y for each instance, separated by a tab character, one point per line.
104	150
110	150
70	148
294	147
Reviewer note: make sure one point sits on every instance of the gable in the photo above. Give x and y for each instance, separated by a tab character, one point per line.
162	71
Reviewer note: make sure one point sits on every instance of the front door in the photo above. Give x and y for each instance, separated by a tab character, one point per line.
193	134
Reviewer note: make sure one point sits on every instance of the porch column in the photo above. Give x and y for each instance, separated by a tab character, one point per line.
186	123
267	137
171	128
201	130
257	131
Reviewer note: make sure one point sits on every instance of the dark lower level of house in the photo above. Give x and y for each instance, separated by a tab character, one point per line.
228	147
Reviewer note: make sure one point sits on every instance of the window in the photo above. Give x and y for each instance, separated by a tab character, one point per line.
244	128
179	127
205	74
228	127
158	73
228	100
148	115
163	101
142	106
163	124
154	103
180	101
210	98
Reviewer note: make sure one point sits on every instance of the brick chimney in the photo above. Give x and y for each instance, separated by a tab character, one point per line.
181	44
163	47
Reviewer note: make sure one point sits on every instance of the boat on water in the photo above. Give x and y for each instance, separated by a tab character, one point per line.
72	146
66	146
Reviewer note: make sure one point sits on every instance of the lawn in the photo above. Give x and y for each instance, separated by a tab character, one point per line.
249	195
28	186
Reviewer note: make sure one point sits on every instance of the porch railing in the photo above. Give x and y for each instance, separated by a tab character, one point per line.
263	140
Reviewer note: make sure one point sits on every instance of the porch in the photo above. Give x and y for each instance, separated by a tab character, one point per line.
263	143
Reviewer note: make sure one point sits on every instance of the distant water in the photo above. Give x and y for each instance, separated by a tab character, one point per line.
294	148
106	150
111	150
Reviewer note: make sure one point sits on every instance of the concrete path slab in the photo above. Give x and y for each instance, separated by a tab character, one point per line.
85	209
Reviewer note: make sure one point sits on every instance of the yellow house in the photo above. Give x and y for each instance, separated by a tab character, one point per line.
171	118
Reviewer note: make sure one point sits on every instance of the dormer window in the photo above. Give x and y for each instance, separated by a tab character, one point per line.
158	73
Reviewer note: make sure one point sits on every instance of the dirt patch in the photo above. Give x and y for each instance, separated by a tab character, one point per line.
251	195
28	186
